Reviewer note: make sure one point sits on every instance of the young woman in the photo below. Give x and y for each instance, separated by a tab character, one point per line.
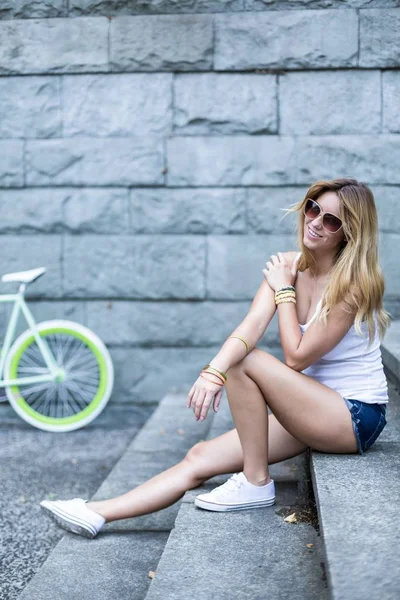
330	394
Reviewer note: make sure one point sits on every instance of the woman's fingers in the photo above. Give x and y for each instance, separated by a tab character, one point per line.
189	396
217	400
202	411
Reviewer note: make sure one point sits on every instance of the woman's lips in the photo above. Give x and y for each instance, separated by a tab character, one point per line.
311	232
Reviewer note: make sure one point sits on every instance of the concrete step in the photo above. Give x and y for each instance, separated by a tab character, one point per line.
116	566
244	555
357	499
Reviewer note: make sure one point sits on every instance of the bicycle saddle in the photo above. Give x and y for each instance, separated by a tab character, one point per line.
24	276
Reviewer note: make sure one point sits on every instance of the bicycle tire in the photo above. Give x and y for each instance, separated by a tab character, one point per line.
74	402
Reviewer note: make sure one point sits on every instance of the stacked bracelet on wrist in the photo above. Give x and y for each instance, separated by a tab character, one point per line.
285	294
216	372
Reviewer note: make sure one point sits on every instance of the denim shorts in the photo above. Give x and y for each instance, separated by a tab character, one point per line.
368	421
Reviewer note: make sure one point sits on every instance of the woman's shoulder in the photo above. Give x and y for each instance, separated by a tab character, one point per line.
291	256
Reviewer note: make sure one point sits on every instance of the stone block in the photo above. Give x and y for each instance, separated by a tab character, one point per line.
235	273
33	252
389	262
387	200
11	164
117	104
391	352
120	567
228	160
30	9
223	104
273	160
98	266
29	107
31	210
90	161
209	555
306	102
175	430
96	211
188	210
70	310
391	101
342	486
54	45
170	368
286	40
42	311
161	43
165	323
379	38
169	267
126	267
310	4
265	209
391	432
149	7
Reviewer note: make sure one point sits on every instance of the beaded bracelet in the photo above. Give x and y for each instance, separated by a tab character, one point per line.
293	300
288	287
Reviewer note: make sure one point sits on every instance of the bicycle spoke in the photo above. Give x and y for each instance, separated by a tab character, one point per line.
81	382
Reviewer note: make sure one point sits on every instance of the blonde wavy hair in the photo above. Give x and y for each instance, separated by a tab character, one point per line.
356	277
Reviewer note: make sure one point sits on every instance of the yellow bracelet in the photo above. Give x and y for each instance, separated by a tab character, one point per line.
215	369
239	338
284	300
285	295
215	372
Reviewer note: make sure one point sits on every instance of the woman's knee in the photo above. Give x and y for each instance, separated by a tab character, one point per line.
196	460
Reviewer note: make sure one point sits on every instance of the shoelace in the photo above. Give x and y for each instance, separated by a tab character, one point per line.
231	485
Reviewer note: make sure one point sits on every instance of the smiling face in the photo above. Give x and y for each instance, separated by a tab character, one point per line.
315	236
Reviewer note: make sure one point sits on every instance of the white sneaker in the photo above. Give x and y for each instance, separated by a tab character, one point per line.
75	516
237	494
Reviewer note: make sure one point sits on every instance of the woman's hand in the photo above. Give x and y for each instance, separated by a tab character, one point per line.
201	395
278	273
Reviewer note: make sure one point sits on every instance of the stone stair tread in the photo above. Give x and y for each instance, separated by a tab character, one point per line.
242	555
109	567
230	554
358	514
357	500
117	565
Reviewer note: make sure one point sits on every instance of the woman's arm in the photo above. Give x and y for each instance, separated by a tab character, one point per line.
253	326
300	351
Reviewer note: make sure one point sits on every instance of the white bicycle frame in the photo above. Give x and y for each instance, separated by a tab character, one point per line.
20	305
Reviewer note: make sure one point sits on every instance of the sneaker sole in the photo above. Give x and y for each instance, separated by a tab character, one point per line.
229	507
68	522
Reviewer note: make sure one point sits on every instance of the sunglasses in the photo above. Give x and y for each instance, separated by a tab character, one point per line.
330	222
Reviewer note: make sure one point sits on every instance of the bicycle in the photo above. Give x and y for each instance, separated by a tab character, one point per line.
58	375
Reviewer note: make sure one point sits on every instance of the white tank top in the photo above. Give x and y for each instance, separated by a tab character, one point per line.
351	368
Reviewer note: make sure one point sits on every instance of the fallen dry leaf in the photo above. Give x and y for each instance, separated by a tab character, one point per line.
291	518
310	545
152	574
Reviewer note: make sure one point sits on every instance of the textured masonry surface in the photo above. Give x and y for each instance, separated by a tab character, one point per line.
148	149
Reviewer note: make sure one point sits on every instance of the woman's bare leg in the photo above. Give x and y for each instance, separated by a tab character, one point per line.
222	454
308	410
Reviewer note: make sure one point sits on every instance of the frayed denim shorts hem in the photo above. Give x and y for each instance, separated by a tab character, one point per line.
368	421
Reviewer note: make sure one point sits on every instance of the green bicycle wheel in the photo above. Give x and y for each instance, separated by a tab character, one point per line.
78	395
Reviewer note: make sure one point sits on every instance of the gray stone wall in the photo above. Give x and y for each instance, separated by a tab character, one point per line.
147	149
